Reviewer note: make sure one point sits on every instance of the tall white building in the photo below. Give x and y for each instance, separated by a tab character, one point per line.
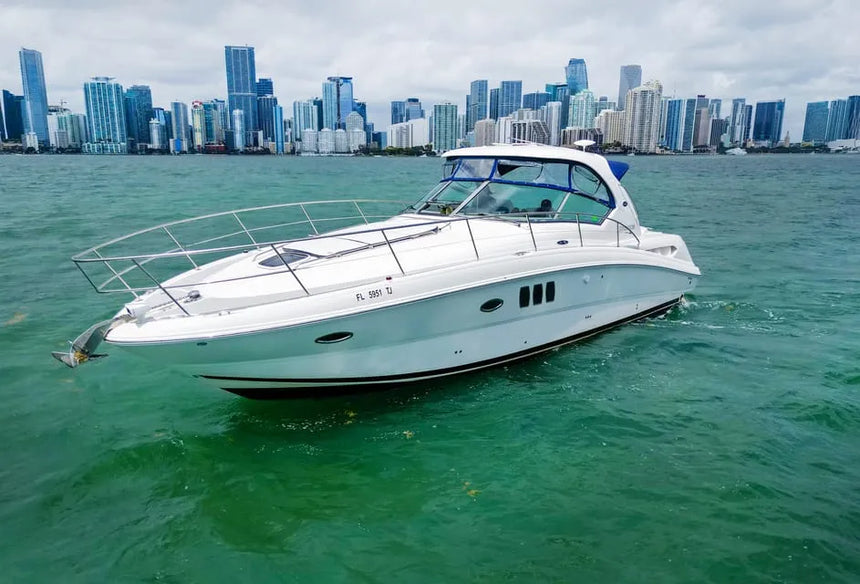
341	141
529	131
357	139
325	141
485	132
310	143
409	134
179	119
305	117
552	117
643	117
198	125
238	129
504	130
611	124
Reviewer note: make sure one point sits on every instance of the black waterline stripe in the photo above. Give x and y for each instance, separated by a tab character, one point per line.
417	376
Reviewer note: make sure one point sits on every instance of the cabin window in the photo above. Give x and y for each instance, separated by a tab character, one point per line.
525	294
537	294
550	291
586	181
474	168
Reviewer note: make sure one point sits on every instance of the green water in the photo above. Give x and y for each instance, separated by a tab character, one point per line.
718	444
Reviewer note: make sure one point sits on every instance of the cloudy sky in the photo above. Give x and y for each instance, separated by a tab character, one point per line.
800	50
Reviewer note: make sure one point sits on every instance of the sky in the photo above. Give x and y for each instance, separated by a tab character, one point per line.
800	50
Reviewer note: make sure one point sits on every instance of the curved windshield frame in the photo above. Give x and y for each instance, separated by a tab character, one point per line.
542	189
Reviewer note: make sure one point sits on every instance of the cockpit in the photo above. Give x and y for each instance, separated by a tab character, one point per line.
542	190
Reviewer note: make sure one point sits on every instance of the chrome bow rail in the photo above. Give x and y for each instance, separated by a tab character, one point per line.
191	243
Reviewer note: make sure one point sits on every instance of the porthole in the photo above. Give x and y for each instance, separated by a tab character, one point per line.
333	338
492	304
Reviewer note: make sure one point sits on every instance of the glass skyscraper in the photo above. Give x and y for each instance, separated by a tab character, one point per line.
767	126
510	97
35	112
535	100
494	104
853	117
674	125
815	124
560	92
242	84
265	87
337	101
138	112
444	127
266	116
13	107
630	78
576	76
105	114
398	112
478	103
414	110
837	120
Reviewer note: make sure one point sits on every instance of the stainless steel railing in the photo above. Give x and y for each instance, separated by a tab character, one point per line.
201	251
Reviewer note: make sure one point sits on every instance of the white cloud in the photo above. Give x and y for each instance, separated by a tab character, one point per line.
802	50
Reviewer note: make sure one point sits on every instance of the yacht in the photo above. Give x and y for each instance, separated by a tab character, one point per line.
519	249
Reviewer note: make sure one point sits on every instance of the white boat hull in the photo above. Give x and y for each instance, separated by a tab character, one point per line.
422	339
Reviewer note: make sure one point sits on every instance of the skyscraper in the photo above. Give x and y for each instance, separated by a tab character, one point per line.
478	102
198	125
853	117
414	109
494	104
674	125
138	112
767	126
689	125
714	108
398	112
560	92
265	87
179	122
278	114
576	76
815	124
630	78
242	84
643	116
266	116
444	127
13	107
510	97
535	100
35	112
106	116
337	101
238	130
737	121
581	110
837	120
304	118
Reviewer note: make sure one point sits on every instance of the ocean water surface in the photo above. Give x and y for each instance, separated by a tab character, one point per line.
720	443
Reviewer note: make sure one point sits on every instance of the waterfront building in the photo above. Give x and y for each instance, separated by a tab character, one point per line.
35	112
525	114
533	130
179	126
853	117
138	112
12	116
485	132
674	133
689	125
714	107
409	134
238	125
354	121
242	85
265	87
603	103
701	127
356	139
767	127
304	118
106	115
642	117
157	135
815	124
414	109
552	117
310	143
478	106
266	116
75	128
718	132
198	125
738	130
280	142
630	78
398	112
445	127
325	141
337	101
582	112
341	141
576	75
535	100
748	117
837	120
611	124
31	141
213	121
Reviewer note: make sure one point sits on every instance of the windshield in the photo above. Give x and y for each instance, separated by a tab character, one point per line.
541	189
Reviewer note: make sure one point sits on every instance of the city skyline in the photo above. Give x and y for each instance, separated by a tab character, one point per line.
710	50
